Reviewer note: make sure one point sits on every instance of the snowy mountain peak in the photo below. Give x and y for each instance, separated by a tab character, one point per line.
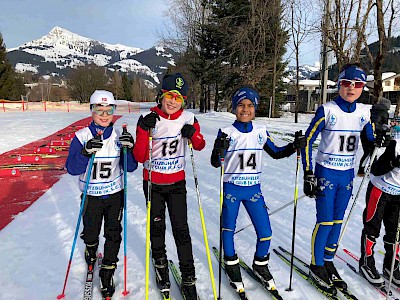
61	50
62	39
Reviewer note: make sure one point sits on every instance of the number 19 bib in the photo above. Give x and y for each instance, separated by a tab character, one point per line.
169	147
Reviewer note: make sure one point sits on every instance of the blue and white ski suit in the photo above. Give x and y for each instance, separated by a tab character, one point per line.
243	167
340	124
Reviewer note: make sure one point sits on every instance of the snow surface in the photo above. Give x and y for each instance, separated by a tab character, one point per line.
35	247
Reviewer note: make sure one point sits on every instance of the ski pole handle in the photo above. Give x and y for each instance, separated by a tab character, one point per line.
124	128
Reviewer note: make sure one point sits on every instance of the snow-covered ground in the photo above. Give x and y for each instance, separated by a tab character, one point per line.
35	247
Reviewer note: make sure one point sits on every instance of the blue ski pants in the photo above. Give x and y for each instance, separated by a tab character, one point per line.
334	191
253	201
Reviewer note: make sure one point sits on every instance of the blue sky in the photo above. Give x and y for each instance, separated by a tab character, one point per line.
133	23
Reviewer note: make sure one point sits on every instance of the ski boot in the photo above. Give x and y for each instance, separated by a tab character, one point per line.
107	286
367	261
320	278
162	275
334	276
188	288
232	269
91	253
260	268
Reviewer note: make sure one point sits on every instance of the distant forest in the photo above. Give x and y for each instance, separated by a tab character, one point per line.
391	63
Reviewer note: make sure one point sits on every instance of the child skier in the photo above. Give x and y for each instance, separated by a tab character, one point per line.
171	128
243	142
340	123
105	195
382	203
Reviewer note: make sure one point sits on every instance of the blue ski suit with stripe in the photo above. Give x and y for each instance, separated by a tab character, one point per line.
250	195
334	178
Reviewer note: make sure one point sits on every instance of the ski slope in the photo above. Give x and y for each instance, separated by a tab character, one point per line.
35	247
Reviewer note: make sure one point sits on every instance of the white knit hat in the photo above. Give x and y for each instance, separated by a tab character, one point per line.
102	97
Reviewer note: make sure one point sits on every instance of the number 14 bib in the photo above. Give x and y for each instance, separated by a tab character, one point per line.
243	164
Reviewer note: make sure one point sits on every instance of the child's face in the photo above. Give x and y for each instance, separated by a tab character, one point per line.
170	104
245	111
350	93
102	115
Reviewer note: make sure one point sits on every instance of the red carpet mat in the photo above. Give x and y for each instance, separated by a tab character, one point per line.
26	173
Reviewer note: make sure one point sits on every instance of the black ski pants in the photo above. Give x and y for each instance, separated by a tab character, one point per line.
111	210
380	206
174	198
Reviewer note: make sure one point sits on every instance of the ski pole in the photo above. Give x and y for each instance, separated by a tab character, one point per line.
296	195
273	212
124	130
394	256
367	171
203	225
89	172
148	204
221	200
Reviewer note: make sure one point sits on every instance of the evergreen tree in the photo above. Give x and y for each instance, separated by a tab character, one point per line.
126	86
11	86
241	43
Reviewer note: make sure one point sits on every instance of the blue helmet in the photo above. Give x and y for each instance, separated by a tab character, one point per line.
353	72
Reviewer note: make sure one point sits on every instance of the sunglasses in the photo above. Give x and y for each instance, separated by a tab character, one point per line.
169	95
355	83
97	109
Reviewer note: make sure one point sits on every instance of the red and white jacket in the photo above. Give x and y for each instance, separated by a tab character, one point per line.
169	147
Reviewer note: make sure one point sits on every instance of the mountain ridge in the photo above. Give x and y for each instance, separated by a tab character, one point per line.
61	50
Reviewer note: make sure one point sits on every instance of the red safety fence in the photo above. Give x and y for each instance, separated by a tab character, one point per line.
123	106
27	172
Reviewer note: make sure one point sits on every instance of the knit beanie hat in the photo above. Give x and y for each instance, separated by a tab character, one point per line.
245	93
175	82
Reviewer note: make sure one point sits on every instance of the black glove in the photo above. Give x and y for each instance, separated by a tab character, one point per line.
149	121
221	143
300	140
383	137
126	139
396	162
310	184
92	146
188	131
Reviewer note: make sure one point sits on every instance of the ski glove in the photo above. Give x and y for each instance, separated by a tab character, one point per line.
310	184
221	143
127	140
92	146
149	121
188	131
383	137
300	140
